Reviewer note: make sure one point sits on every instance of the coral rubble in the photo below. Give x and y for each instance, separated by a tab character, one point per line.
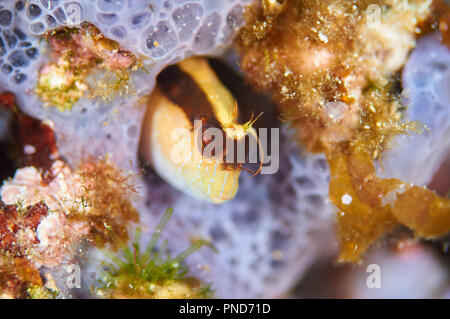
75	52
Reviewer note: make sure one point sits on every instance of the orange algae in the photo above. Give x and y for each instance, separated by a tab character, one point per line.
334	79
20	279
17	275
370	207
108	193
440	20
423	211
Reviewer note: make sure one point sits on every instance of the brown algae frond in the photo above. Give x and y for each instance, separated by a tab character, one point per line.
107	204
151	273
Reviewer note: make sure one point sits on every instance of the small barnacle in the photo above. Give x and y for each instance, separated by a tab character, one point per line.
152	273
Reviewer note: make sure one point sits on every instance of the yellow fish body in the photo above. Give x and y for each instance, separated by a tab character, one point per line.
184	93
